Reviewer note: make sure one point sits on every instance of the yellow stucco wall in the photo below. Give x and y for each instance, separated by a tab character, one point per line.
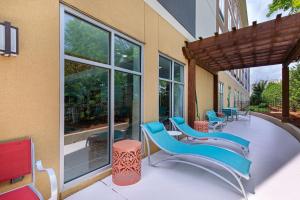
29	89
204	89
126	16
225	78
29	103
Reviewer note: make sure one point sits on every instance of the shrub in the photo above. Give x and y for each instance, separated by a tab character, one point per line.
273	94
263	105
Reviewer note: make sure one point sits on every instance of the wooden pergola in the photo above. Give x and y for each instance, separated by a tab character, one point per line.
269	43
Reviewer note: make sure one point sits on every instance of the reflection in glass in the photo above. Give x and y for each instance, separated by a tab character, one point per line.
164	68
127	54
86	115
127	106
85	40
165	102
178	99
178	72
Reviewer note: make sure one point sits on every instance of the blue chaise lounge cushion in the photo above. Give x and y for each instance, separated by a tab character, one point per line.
178	120
155	127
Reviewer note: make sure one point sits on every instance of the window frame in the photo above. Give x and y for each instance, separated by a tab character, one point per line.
112	68
173	82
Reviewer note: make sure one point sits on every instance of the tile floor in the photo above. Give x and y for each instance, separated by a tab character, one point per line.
275	172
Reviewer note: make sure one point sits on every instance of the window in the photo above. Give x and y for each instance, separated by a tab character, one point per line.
236	14
165	66
85	40
127	106
229	21
221	9
171	89
221	95
239	99
235	99
101	92
127	54
229	97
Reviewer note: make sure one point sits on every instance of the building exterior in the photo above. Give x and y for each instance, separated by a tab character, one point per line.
89	72
220	16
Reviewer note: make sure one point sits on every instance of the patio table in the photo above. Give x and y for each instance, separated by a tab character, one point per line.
175	134
230	112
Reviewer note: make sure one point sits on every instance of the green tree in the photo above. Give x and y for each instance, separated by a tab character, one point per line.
273	93
295	87
292	6
257	90
86	41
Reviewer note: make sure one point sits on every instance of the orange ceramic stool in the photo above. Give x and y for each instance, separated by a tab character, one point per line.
201	126
126	167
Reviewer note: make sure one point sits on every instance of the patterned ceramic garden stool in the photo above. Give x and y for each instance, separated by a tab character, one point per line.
126	168
201	126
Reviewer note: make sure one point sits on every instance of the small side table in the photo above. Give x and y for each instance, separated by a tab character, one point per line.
126	165
201	126
175	134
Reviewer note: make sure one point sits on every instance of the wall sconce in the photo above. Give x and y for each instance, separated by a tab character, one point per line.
9	44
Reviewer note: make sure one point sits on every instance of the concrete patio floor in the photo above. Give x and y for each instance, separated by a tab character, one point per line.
275	172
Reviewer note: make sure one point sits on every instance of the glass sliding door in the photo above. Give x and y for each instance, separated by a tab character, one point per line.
102	74
86	98
165	101
86	119
178	90
127	106
127	89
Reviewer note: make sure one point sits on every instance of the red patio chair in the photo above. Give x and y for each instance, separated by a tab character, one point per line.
16	161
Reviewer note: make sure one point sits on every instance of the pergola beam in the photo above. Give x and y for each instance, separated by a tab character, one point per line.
215	92
294	54
191	92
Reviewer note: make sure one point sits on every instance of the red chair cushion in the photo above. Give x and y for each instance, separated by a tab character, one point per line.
15	159
24	193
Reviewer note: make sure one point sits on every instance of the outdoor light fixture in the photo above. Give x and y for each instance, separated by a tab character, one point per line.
8	39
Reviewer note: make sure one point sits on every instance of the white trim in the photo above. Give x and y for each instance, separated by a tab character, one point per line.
155	5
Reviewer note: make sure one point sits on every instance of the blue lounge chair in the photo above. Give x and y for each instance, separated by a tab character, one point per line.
214	120
235	164
179	123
